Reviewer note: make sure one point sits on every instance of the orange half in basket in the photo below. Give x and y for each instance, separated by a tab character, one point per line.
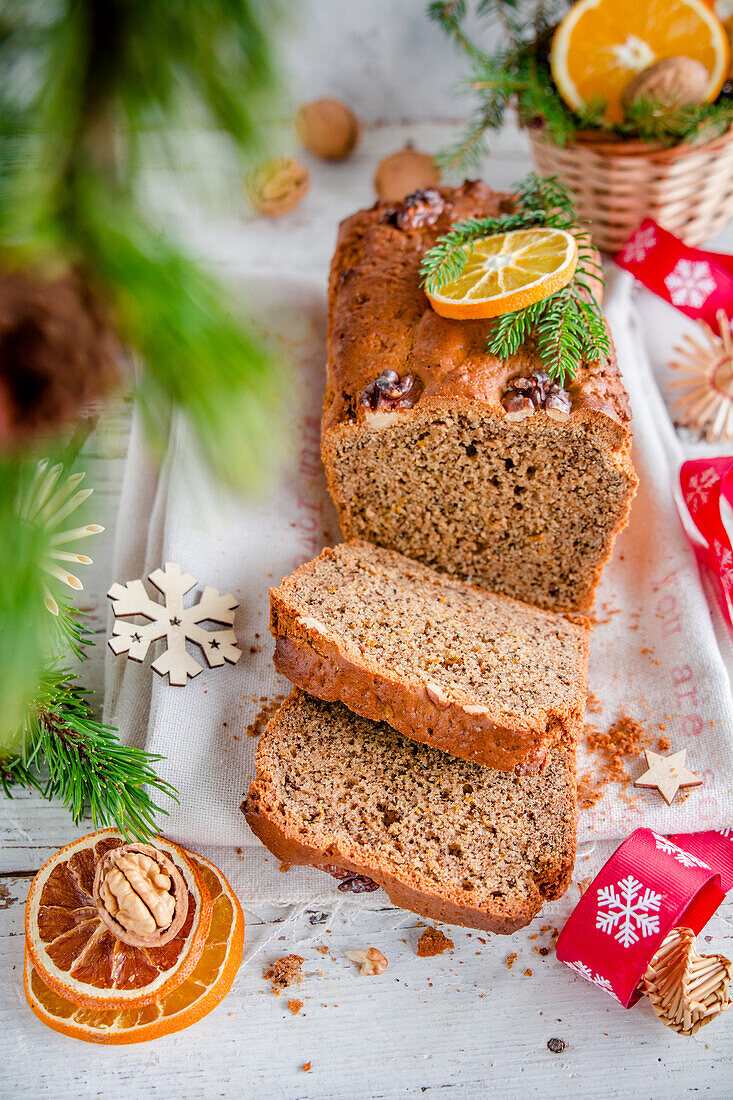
601	45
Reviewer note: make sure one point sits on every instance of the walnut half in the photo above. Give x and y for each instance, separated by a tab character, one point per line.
140	895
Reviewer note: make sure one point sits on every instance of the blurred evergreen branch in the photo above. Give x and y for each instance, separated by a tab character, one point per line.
86	87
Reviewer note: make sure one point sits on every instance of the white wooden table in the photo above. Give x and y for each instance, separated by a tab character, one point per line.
458	1025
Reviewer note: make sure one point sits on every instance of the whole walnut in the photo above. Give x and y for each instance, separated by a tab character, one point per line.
276	188
327	128
404	172
672	82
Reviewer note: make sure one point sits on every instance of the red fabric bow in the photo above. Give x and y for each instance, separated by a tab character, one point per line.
707	486
698	283
650	885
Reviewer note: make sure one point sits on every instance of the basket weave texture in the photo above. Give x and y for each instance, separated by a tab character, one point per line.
687	189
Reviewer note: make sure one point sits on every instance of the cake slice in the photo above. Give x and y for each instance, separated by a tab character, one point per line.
475	674
445	837
476	465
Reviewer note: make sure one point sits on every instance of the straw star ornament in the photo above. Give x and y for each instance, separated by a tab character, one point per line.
48	502
704	369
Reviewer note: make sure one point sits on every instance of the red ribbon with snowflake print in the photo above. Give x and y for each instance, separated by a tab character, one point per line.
696	282
707	491
650	885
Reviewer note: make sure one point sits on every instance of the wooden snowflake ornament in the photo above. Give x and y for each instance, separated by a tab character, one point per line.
705	370
173	621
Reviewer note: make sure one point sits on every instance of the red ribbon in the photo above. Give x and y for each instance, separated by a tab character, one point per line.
705	483
696	282
650	885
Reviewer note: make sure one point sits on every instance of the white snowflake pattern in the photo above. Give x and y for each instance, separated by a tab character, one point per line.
628	910
690	283
585	972
699	487
724	558
726	833
639	246
681	855
174	622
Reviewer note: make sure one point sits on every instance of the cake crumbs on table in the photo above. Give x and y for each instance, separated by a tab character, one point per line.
264	714
528	973
624	738
322	949
593	704
510	960
284	972
295	1005
306	1066
433	942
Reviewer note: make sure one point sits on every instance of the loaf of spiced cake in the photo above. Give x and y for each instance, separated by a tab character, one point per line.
445	837
479	675
475	465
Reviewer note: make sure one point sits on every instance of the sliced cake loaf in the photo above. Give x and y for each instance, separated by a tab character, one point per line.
445	837
478	675
473	464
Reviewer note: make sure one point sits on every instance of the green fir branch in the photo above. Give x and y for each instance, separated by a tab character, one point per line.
568	326
68	755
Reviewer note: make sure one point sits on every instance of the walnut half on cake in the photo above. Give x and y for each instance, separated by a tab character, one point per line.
475	465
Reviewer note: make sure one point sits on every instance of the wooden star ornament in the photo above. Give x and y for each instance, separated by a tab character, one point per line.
666	774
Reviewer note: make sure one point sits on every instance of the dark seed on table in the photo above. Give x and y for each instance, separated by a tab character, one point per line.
557	1046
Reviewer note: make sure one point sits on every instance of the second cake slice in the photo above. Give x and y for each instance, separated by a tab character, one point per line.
478	675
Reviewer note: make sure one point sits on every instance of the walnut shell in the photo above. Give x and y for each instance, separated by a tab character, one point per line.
277	187
327	128
177	888
673	82
403	172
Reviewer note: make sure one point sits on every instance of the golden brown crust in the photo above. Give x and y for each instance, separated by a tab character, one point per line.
380	319
292	839
294	852
318	662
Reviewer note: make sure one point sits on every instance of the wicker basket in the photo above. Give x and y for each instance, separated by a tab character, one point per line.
687	189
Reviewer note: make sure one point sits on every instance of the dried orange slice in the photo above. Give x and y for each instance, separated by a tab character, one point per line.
508	271
601	44
76	953
189	1002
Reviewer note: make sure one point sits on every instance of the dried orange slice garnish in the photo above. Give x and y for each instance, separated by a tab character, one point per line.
75	952
602	44
508	271
187	1003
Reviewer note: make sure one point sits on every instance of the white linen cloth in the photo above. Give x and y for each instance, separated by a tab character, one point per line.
654	654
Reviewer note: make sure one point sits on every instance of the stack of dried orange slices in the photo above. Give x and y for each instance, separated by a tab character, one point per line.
128	942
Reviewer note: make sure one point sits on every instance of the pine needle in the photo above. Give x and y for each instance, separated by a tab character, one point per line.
568	326
68	755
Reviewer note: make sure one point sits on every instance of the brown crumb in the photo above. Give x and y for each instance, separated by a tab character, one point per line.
626	737
433	942
264	714
322	948
510	960
593	704
306	1066
663	744
295	1005
528	973
284	972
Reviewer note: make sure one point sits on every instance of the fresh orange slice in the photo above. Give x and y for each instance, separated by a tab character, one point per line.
508	271
77	955
601	44
184	1005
